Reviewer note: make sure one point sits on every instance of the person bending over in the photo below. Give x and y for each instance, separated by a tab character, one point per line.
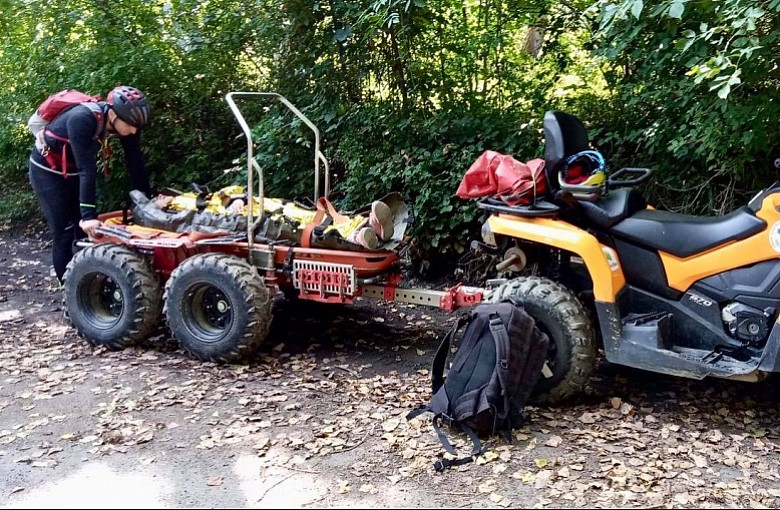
64	164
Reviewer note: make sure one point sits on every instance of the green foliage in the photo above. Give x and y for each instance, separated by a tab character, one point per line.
697	89
406	94
425	157
18	205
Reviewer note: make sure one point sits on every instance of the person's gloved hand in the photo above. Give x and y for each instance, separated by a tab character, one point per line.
89	226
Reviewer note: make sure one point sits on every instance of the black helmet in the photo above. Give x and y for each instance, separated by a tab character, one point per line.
130	105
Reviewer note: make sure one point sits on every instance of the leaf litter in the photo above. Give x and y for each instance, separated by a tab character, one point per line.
632	440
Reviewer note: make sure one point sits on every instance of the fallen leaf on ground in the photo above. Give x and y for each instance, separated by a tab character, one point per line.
499	500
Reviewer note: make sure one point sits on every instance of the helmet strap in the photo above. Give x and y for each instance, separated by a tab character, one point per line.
111	119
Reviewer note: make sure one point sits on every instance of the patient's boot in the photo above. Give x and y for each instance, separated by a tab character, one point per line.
381	220
365	237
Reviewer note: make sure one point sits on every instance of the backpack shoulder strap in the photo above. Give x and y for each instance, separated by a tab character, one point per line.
439	403
477	444
501	339
439	360
477	449
100	111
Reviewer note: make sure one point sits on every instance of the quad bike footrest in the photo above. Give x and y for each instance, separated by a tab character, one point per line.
649	329
648	346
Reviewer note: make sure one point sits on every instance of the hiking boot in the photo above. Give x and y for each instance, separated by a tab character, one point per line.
381	220
365	237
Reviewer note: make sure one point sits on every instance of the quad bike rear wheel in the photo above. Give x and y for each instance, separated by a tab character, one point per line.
559	314
112	295
218	307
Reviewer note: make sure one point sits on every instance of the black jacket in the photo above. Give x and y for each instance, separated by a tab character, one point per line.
79	125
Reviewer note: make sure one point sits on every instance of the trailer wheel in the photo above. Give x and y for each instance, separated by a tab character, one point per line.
558	313
218	307
112	295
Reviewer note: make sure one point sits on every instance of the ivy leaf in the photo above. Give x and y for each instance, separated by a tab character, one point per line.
636	8
676	10
342	34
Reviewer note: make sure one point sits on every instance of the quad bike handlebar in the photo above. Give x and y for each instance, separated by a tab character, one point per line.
622	178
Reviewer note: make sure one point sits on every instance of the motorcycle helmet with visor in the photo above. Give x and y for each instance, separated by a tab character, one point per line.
583	173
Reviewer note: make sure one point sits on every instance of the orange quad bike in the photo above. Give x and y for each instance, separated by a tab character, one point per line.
677	294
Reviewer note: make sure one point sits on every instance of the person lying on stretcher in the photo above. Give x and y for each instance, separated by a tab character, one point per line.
380	225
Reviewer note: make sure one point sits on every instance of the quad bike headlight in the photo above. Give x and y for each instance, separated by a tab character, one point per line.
487	235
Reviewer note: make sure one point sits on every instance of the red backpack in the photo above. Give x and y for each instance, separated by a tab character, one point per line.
53	106
61	101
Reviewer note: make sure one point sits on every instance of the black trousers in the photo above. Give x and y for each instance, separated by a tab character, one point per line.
58	197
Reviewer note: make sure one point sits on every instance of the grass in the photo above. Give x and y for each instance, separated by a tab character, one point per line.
18	206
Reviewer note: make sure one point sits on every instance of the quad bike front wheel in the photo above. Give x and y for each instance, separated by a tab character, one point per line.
218	307
558	313
112	295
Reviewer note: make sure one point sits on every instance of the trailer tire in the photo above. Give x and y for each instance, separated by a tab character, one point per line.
218	307
112	296
558	313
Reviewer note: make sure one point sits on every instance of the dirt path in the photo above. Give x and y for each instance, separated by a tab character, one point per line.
318	420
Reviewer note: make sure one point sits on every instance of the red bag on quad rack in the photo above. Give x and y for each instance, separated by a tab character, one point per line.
504	177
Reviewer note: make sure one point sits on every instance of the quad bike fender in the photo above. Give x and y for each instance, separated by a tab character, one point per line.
600	260
681	273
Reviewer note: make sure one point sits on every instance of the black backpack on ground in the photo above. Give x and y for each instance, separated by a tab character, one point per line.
492	374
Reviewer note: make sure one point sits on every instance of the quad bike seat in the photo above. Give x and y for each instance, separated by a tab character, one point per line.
624	212
684	235
612	208
564	135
